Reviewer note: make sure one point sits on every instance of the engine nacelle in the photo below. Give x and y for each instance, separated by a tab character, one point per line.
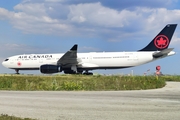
49	69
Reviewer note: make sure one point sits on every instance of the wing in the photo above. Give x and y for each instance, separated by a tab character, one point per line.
69	58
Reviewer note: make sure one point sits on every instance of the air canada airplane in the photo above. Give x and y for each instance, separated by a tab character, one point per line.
72	62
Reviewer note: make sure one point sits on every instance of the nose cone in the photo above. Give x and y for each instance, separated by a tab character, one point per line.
5	64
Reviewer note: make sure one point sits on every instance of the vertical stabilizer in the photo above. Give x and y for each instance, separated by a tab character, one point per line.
162	40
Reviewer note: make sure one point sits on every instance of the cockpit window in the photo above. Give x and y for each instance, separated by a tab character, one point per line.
6	59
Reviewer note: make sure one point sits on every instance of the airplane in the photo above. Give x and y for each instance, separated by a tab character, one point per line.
72	62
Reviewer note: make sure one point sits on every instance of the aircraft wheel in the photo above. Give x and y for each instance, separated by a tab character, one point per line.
88	73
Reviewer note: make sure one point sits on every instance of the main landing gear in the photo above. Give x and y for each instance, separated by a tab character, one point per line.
87	73
78	72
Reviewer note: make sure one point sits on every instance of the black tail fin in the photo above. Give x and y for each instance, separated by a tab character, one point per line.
162	40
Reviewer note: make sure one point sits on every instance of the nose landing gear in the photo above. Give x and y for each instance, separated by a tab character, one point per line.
17	71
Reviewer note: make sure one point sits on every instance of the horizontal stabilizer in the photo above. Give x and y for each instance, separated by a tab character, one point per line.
163	52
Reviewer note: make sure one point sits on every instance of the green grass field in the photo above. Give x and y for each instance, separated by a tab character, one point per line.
82	82
7	117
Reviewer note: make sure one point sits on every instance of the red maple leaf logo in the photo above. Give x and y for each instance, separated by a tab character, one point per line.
19	64
161	41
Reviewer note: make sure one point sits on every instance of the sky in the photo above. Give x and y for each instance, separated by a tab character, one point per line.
54	26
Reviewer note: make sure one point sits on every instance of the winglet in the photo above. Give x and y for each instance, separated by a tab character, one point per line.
74	48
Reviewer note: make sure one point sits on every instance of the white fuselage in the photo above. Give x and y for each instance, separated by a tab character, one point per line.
94	60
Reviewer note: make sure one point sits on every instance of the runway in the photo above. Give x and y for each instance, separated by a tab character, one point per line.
159	104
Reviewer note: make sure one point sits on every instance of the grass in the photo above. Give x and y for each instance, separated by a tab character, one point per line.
80	82
7	117
172	78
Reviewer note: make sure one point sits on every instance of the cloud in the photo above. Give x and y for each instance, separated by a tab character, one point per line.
5	14
54	0
90	18
175	41
37	9
97	15
128	4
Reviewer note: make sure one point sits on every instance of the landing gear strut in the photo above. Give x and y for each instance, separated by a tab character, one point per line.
17	71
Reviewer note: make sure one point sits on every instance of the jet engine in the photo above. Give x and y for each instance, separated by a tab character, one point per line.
49	69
